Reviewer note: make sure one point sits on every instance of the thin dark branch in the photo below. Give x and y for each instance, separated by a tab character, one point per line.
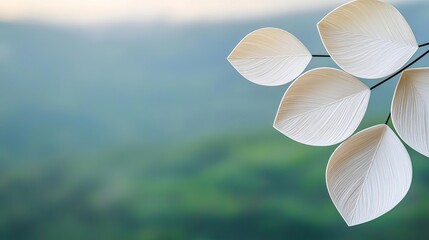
388	118
399	71
317	55
424	44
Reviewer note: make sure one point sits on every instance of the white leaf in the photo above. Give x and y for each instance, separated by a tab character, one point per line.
410	109
270	57
368	175
322	107
368	38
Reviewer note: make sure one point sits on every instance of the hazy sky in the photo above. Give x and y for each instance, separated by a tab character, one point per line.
99	11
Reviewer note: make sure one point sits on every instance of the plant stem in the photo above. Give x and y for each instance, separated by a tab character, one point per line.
388	118
318	55
400	70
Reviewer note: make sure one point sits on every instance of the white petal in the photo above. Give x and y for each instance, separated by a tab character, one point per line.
368	175
410	109
270	57
322	107
368	38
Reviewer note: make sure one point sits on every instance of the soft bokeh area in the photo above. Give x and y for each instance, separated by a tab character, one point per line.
121	126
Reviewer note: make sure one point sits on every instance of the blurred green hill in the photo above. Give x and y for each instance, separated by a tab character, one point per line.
144	131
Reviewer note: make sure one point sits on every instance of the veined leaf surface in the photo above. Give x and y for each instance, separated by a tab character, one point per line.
368	38
368	175
270	57
322	107
410	109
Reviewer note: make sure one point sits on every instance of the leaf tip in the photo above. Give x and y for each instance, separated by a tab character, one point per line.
230	57
275	125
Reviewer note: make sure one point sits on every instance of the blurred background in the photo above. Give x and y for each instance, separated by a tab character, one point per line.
123	120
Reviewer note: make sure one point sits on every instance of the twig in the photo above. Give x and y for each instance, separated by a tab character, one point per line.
424	44
388	118
317	55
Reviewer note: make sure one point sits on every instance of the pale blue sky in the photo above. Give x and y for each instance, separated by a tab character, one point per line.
102	11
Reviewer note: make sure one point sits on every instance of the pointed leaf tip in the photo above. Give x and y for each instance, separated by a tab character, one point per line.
410	109
368	175
322	107
270	57
368	38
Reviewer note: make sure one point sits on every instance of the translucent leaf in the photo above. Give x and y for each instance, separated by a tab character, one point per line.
270	57
368	38
368	175
322	107
410	109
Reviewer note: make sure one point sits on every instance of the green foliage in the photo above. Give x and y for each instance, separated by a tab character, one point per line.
241	186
